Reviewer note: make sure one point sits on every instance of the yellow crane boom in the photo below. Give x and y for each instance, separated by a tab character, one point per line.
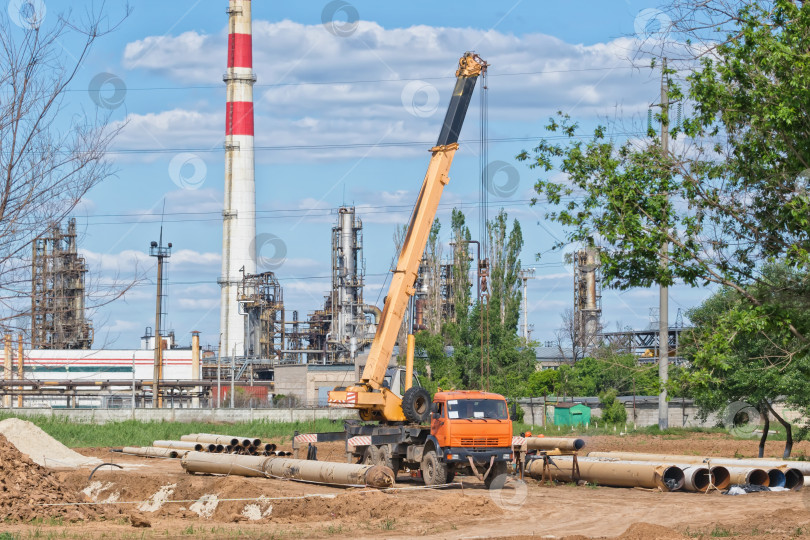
368	394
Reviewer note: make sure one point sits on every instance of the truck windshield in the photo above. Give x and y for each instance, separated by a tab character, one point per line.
476	408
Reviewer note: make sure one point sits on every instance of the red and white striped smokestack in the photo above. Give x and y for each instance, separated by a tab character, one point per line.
239	214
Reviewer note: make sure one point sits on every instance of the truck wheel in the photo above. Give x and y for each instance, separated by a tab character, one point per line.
416	405
372	456
451	473
434	471
496	478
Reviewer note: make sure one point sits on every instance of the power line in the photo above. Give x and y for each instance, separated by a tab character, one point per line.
359	81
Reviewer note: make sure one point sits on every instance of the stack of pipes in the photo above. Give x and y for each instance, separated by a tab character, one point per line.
766	472
664	472
207	442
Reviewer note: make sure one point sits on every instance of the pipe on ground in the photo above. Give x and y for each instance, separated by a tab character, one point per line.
551	443
378	476
210	438
150	451
612	473
794	478
748	475
179	445
697	478
776	478
722	478
803	466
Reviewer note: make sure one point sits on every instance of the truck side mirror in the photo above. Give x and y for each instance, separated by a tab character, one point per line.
434	408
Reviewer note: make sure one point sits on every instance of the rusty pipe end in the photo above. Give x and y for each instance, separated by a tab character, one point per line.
721	478
758	477
699	479
673	478
794	479
380	476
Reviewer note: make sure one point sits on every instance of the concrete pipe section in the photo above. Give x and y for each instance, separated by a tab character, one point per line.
794	479
180	445
377	476
224	440
614	473
565	444
697	478
721	477
150	451
760	463
749	475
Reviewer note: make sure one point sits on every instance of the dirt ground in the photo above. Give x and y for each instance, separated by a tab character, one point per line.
157	493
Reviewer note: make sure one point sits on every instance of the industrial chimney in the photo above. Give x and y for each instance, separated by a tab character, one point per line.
239	213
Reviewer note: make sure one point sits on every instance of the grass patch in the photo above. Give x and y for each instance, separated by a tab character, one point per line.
566	431
136	433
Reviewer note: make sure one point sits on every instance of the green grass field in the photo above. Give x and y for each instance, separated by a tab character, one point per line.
135	433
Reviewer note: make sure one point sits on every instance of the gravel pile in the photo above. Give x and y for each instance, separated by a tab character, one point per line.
42	448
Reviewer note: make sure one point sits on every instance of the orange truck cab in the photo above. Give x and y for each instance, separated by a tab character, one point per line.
470	431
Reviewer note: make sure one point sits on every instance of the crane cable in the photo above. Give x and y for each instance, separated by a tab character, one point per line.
483	225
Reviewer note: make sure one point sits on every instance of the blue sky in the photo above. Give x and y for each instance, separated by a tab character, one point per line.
339	120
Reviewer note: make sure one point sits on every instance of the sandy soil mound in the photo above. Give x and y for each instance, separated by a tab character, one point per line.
25	487
42	448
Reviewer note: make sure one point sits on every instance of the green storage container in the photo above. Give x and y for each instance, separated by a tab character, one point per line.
571	414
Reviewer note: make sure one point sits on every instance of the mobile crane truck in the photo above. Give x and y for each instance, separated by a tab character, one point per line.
458	431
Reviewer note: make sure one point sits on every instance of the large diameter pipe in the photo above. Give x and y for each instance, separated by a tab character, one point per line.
202	462
776	477
803	466
748	475
552	443
612	473
378	476
721	478
179	445
794	478
150	451
697	478
211	438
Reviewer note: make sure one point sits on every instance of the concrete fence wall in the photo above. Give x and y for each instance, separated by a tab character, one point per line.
643	412
102	416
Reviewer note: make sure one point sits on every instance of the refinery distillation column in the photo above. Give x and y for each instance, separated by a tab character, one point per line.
239	214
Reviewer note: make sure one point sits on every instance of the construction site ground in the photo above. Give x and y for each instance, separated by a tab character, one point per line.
229	507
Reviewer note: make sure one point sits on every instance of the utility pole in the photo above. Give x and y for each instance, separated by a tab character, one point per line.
157	250
526	274
663	293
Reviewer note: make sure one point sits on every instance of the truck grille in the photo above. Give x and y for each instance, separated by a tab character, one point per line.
480	441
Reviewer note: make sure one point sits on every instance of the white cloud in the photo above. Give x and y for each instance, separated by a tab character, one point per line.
584	80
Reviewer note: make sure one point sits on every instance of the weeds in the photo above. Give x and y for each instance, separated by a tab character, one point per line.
389	524
719	532
136	433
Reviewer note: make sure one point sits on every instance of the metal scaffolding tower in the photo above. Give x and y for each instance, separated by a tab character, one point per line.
261	302
587	299
57	292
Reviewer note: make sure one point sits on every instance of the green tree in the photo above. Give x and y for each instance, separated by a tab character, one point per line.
738	350
733	195
613	412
